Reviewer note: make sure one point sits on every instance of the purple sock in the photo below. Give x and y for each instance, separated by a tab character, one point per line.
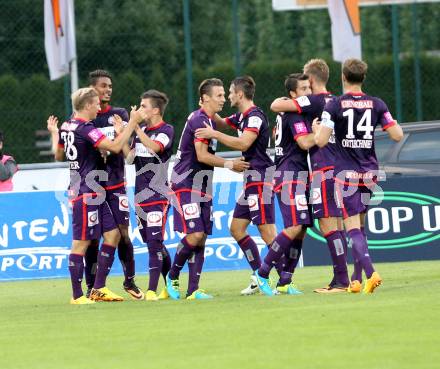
183	253
336	247
250	250
106	257
76	269
280	265
91	262
155	262
126	256
166	262
360	251
279	246
357	267
292	259
195	266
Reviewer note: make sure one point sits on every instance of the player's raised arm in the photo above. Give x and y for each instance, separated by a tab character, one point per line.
57	147
241	143
115	146
238	165
284	104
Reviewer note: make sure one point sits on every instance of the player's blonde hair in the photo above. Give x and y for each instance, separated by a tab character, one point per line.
354	70
82	97
317	68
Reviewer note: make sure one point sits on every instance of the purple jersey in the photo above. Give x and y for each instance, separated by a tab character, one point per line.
114	165
288	155
186	165
79	139
254	120
152	168
311	107
355	117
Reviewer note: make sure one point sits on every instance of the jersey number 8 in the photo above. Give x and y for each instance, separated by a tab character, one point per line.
69	145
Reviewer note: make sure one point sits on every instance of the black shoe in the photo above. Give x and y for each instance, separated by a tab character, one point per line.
134	291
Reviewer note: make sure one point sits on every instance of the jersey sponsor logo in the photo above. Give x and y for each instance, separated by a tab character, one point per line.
123	203
92	218
303	101
162	138
255	122
191	211
95	134
300	127
142	151
108	132
154	219
252	201
359	104
316	196
301	202
357	144
388	117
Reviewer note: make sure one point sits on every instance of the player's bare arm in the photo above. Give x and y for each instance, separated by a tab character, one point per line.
241	143
283	104
203	156
136	117
52	127
307	141
395	132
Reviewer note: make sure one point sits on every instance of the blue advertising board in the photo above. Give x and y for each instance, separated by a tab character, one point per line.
35	230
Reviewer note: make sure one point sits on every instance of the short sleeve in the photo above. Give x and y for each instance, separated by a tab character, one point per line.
386	120
328	116
233	121
199	122
304	104
164	140
298	128
253	123
92	135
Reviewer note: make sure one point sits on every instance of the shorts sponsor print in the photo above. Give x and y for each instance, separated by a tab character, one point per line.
293	199
90	221
118	201
192	211
151	218
256	203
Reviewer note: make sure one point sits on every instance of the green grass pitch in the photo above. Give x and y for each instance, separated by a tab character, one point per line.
396	327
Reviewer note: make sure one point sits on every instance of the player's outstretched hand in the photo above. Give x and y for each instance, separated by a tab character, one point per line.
315	125
239	165
137	115
52	124
208	132
118	124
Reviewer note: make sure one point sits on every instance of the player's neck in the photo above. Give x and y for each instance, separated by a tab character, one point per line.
245	105
82	116
154	121
348	88
104	105
319	89
210	112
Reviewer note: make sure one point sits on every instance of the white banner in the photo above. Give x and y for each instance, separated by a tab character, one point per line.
346	29
59	36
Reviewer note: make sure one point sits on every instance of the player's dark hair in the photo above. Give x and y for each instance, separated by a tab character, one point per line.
158	99
97	74
205	88
291	82
354	70
245	84
317	68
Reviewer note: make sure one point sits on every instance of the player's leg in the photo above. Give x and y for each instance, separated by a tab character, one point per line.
76	270
106	255
91	262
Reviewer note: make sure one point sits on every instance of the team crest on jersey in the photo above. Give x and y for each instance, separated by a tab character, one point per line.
301	202
252	201
123	203
303	101
92	218
154	219
191	211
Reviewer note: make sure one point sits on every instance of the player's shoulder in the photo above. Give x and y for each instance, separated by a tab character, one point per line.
292	117
167	128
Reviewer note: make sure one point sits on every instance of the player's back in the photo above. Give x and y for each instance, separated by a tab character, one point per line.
355	118
114	165
311	107
79	139
186	164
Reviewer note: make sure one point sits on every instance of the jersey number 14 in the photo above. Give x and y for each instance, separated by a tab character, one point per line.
364	124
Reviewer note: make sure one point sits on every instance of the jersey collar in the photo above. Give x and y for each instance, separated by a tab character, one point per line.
248	111
158	125
107	109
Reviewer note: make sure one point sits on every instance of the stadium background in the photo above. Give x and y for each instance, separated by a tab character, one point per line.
143	45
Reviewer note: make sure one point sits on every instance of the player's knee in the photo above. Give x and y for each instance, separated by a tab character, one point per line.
268	232
154	246
196	238
293	232
112	237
